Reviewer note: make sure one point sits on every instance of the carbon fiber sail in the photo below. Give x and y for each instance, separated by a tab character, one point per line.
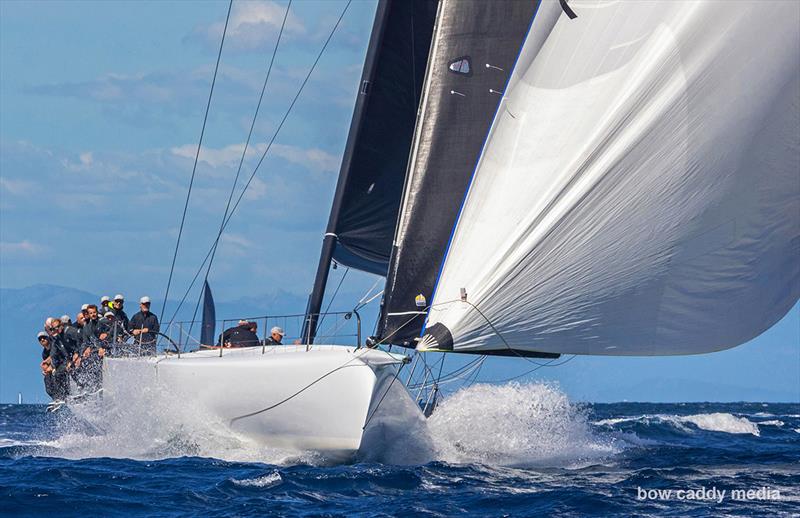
364	213
475	46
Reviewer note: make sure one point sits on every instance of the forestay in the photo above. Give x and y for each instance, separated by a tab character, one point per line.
639	191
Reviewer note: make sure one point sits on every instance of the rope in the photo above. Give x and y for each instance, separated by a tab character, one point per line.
241	160
336	292
375	411
363	300
263	156
548	364
196	159
279	403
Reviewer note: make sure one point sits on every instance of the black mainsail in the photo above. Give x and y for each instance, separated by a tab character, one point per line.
364	214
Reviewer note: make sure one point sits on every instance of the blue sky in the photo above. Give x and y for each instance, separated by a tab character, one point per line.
101	105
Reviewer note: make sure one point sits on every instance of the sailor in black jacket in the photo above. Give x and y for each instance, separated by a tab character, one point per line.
47	370
242	335
119	312
89	329
276	335
144	326
61	349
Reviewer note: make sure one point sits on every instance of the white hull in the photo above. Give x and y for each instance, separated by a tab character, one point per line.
317	400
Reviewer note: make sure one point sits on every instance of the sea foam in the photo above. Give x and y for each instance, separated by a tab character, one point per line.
513	424
270	480
516	424
722	422
714	422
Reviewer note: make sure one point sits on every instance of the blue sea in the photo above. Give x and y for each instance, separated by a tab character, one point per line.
508	450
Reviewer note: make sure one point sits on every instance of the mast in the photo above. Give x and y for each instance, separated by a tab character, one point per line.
330	238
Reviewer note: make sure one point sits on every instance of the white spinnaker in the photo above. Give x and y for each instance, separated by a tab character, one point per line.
639	192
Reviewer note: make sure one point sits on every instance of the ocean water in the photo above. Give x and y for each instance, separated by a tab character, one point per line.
508	450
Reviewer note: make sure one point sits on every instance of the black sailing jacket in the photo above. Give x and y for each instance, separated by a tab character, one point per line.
141	320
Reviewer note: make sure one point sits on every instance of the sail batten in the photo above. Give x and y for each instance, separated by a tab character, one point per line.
639	192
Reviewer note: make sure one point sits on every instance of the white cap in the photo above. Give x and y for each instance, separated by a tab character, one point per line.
65	318
104	298
119	296
144	300
42	334
108	314
84	307
278	330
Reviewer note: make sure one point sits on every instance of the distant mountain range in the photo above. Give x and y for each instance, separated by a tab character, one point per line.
23	311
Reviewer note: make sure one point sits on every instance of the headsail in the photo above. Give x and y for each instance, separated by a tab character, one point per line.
639	190
207	331
473	52
367	198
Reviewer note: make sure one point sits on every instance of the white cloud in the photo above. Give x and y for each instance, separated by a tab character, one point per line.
228	155
313	159
86	158
252	25
24	247
235	244
16	187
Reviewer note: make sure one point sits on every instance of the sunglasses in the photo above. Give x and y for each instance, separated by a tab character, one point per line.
43	339
56	328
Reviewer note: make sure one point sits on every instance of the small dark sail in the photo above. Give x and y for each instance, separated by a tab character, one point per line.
475	47
364	213
207	330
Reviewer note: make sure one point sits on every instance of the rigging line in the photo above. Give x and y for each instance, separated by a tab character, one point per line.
361	302
548	364
477	372
196	158
336	292
396	375
460	371
279	403
269	145
241	159
496	331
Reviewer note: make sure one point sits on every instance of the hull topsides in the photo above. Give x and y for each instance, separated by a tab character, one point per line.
288	397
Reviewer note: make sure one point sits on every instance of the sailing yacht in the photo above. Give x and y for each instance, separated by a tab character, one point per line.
535	179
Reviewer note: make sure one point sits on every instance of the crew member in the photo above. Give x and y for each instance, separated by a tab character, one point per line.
47	369
275	337
240	336
89	330
119	312
108	328
61	349
105	300
144	326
